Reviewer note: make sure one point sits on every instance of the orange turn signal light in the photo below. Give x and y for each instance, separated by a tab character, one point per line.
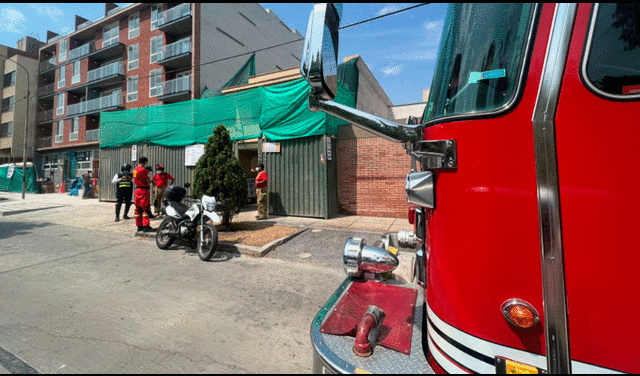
520	313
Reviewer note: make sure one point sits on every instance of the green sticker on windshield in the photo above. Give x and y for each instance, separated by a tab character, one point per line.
477	76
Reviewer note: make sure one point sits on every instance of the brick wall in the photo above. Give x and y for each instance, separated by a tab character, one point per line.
371	177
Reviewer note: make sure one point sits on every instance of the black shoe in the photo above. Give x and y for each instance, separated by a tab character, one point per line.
151	216
140	228
117	219
126	217
148	229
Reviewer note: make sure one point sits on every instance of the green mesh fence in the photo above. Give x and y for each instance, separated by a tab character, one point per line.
14	183
278	112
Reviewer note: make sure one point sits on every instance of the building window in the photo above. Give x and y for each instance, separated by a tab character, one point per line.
6	129
75	125
62	73
64	46
76	73
84	160
10	79
60	108
132	88
156	49
155	83
155	10
134	25
7	104
59	131
133	56
110	35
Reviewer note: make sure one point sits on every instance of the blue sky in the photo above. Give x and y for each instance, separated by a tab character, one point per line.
400	49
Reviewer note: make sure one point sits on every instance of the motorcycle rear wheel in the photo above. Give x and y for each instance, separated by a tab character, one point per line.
207	248
164	236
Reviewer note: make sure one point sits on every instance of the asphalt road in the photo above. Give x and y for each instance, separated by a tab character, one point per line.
79	301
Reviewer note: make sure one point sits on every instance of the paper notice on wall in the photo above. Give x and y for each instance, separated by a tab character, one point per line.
10	171
134	152
271	147
192	154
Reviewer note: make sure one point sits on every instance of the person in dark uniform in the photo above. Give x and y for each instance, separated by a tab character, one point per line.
124	190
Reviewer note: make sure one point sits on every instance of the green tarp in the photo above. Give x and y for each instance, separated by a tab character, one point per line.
14	183
276	112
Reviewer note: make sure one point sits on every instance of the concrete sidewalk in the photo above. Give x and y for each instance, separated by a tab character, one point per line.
74	211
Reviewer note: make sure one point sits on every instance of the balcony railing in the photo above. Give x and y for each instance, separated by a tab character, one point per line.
46	90
174	13
43	142
106	71
51	63
83	50
92	135
94	105
44	116
177	85
175	49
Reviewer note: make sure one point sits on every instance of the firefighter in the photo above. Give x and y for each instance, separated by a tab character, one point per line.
142	195
124	190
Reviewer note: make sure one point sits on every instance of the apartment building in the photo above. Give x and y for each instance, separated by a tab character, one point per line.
141	55
19	67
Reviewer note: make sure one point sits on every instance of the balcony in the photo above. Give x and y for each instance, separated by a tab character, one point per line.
101	77
177	54
46	90
176	21
44	142
176	90
47	65
44	116
92	135
83	50
109	102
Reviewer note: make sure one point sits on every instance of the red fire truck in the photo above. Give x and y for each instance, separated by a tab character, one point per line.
524	199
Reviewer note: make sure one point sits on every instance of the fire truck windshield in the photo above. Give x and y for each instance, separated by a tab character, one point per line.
481	58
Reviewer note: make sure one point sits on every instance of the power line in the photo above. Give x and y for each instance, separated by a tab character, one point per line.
293	41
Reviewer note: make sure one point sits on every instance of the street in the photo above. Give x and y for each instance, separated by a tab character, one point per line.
79	301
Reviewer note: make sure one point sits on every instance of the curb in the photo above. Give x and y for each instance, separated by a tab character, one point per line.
22	211
246	250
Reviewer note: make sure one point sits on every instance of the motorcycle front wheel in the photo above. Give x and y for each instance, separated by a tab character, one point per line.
207	247
165	235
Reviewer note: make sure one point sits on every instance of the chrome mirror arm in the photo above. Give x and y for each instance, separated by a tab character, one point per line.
381	127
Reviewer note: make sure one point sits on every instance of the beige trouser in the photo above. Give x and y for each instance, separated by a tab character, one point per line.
157	203
262	202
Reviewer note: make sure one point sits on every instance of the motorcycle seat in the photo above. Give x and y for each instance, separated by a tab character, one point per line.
179	207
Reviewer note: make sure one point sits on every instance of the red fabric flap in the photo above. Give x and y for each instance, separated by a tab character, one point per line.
397	302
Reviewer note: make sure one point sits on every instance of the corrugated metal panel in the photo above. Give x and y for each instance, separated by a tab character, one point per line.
300	183
111	159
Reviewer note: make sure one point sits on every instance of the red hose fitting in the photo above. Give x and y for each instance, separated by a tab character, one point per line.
362	347
371	321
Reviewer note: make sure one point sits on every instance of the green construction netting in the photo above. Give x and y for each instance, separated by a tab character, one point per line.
247	70
278	112
14	183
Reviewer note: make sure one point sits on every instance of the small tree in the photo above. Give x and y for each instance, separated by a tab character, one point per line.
218	173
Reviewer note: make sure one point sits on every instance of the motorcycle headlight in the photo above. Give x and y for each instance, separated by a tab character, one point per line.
359	258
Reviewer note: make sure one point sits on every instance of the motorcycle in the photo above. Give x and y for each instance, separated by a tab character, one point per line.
186	222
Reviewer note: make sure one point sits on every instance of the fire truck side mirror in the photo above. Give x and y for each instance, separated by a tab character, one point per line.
319	65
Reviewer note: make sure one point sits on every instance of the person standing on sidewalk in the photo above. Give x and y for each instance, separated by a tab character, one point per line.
124	190
86	184
261	191
142	195
160	180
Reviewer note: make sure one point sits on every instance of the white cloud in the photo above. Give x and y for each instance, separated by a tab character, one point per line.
388	9
392	70
50	11
12	21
